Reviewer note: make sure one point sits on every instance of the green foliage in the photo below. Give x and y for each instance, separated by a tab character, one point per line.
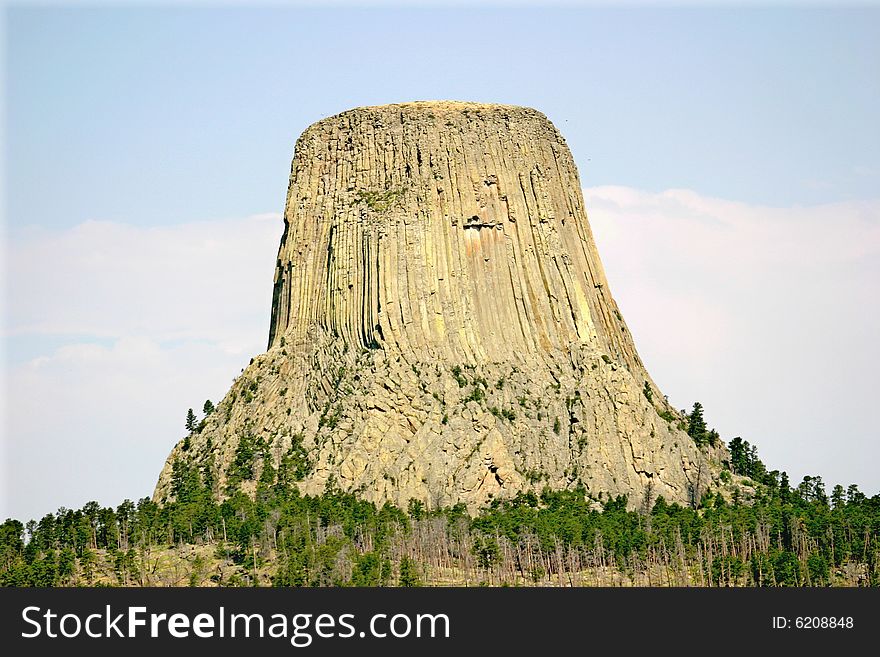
62	547
557	426
817	567
190	421
330	419
371	570
744	459
666	415
504	413
125	566
186	484
837	496
727	570
787	569
486	550
310	561
409	573
208	408
416	509
476	395
380	201
249	390
198	571
337	539
243	465
533	475
460	379
66	563
649	394
696	426
295	464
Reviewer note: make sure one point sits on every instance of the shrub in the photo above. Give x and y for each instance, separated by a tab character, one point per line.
477	395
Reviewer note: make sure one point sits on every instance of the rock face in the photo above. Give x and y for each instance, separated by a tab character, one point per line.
442	328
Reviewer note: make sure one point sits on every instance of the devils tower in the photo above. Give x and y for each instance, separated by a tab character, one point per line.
442	328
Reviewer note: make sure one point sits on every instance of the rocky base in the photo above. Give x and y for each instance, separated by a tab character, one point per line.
388	428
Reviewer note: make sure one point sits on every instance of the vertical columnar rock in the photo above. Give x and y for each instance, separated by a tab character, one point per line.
442	328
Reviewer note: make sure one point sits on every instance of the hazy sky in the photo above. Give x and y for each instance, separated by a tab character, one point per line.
730	160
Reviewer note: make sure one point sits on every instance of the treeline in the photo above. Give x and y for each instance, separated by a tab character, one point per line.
782	536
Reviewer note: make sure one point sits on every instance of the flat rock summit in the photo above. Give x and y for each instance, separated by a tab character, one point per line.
442	328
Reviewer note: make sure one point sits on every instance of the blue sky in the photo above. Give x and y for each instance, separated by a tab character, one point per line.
162	115
138	128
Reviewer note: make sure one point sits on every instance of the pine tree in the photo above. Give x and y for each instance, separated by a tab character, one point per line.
409	572
784	487
837	496
738	455
854	495
190	421
208	408
697	424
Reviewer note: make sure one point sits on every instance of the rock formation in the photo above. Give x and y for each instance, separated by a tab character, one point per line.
442	328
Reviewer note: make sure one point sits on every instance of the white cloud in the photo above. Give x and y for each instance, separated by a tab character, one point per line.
769	316
201	280
96	422
150	321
